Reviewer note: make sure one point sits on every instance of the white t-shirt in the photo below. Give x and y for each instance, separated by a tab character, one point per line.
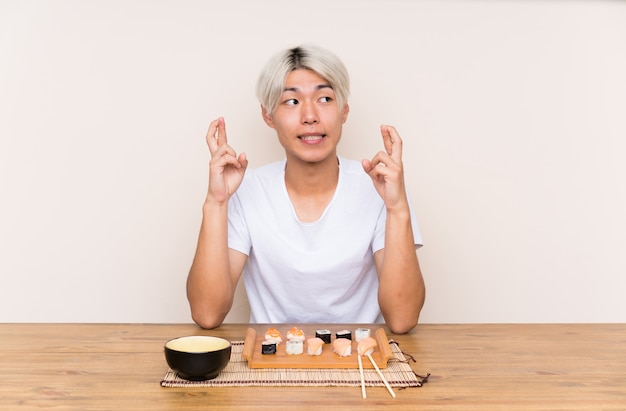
319	272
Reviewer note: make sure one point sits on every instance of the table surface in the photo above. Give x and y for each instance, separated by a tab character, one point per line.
472	366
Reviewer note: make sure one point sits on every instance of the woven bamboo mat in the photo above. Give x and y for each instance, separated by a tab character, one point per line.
237	374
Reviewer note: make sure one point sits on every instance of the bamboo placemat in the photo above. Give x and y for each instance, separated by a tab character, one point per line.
237	374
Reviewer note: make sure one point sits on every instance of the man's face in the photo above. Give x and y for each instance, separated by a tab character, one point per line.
308	120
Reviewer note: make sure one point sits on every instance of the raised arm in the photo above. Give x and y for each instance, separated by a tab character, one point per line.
401	291
215	270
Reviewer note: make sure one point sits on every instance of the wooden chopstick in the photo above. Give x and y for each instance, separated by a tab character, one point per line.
362	377
382	377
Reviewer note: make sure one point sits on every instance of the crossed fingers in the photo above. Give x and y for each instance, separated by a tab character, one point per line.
216	136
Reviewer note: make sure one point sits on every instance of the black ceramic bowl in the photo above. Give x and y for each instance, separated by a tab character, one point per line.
197	357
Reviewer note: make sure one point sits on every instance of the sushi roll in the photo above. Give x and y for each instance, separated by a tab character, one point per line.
343	347
295	334
268	347
294	347
314	346
361	333
272	334
323	335
366	346
344	334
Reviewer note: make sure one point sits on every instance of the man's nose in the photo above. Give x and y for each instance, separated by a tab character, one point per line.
309	113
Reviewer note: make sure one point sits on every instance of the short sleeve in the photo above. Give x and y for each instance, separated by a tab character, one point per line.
238	233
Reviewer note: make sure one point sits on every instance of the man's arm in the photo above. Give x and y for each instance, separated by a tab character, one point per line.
216	269
401	292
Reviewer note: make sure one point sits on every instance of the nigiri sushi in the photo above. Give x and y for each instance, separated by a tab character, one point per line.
366	346
314	346
295	334
272	334
343	347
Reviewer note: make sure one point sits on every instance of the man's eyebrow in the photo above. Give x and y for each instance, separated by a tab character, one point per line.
319	87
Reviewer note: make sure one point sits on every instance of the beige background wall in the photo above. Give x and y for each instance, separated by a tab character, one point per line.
512	112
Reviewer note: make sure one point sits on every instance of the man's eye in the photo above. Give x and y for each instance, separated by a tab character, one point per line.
326	99
291	102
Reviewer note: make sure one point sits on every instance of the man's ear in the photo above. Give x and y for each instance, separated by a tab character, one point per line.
344	116
267	117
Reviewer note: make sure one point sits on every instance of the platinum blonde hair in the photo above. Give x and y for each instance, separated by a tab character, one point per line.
324	63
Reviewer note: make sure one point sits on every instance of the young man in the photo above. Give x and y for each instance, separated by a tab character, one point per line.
319	238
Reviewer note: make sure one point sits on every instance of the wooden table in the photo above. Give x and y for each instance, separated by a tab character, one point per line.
487	367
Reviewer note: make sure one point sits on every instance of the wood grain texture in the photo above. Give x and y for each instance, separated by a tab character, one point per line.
472	366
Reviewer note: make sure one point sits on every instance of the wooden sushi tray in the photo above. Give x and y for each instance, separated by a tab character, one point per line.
328	358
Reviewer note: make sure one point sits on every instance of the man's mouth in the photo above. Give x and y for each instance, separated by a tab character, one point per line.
312	138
